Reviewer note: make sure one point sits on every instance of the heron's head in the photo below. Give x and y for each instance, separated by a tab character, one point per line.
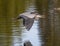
37	15
35	12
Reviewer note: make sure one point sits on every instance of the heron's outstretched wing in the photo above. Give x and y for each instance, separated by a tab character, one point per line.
22	16
29	23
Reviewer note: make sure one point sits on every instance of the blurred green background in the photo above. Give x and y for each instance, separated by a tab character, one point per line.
50	25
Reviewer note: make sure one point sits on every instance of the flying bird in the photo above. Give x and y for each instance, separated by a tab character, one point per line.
28	18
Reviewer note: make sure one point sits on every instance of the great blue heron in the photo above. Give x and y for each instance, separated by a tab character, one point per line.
28	18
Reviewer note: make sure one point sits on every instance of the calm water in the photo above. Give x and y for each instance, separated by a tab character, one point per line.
14	33
19	34
32	35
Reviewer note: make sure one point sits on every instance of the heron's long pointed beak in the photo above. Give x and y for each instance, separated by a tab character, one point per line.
40	16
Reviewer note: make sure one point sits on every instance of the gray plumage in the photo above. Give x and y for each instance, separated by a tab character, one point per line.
28	19
27	22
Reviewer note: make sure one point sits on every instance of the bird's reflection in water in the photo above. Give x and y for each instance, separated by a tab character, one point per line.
32	35
27	43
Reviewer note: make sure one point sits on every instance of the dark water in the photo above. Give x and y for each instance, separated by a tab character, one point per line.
32	36
14	33
21	35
